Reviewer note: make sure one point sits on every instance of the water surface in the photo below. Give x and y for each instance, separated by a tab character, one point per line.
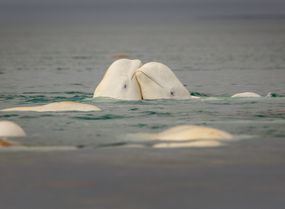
212	58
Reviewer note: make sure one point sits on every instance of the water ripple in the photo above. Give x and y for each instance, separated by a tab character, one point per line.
101	117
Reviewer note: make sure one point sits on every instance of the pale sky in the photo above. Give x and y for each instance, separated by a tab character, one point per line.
135	10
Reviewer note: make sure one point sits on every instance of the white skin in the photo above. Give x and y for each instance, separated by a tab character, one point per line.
246	94
190	132
119	81
10	129
157	81
187	136
56	107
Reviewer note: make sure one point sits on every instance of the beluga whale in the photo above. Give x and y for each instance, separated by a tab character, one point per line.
186	136
9	129
64	106
246	94
119	81
157	81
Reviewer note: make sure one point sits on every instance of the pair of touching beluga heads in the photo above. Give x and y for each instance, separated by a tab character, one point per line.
131	80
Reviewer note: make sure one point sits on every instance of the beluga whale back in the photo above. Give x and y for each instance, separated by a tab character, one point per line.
186	136
119	81
9	129
64	106
246	94
157	81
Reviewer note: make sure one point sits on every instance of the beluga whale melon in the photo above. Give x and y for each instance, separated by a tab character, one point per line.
119	81
157	81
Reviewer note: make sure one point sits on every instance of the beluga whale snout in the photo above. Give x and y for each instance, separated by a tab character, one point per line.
157	81
119	81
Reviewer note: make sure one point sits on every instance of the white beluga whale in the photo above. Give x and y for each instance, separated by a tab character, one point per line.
246	94
187	136
192	132
56	107
157	81
8	130
119	81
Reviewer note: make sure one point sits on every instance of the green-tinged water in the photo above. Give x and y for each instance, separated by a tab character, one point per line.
255	117
213	60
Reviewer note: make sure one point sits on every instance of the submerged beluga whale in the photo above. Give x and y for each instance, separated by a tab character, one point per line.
246	94
9	130
186	136
64	106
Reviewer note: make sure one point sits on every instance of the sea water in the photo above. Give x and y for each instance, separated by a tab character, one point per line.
87	159
214	59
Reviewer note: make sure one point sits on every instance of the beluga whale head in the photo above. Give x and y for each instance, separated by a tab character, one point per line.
157	81
119	81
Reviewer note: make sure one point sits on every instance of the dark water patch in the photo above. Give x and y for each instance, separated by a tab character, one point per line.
138	102
155	127
81	57
150	126
35	99
134	109
36	116
271	115
231	101
61	68
141	125
21	68
7	97
73	98
55	92
117	144
279	135
101	117
81	146
112	101
77	84
154	113
76	98
77	93
89	68
41	97
9	115
26	115
260	116
271	94
198	94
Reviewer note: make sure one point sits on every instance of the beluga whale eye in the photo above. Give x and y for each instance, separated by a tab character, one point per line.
172	93
125	86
